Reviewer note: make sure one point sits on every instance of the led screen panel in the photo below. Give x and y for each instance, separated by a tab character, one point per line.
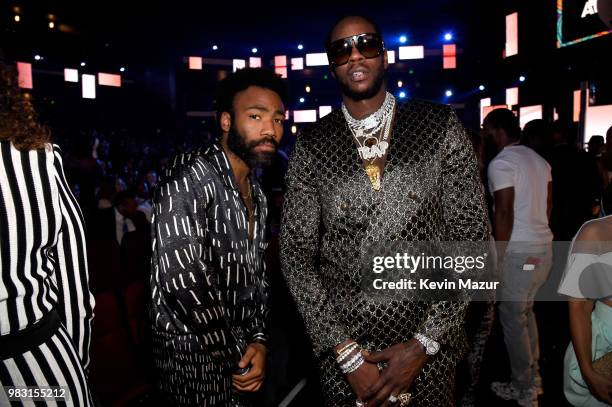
529	113
108	79
511	35
578	21
304	116
412	52
195	63
318	59
24	78
88	83
71	75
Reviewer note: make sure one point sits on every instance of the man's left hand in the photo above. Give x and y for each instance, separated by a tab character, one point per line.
404	363
255	357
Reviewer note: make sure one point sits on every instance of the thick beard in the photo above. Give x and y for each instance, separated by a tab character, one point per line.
364	94
238	145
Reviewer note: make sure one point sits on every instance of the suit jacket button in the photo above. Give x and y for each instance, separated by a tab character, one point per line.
413	195
344	206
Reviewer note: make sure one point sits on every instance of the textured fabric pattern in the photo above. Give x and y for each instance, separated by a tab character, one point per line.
431	191
208	283
52	363
43	256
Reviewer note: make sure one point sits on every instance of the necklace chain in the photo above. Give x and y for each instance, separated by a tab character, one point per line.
367	129
372	123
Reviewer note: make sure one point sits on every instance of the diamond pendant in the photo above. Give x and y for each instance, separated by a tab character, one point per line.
374	174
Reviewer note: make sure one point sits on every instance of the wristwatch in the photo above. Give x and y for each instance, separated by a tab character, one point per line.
431	347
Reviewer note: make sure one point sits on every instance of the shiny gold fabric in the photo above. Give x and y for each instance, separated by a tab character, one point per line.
430	191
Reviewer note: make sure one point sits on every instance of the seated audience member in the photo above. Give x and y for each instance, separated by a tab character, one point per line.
121	218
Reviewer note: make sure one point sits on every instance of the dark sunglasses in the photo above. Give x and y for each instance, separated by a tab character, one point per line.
370	45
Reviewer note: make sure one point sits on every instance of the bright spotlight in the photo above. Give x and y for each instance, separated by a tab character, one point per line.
307	89
37	57
215	47
254	50
402	95
481	87
403	39
302	100
522	78
122	69
449	93
448	36
300	47
400	84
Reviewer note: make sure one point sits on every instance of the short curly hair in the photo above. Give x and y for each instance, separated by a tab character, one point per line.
243	79
18	120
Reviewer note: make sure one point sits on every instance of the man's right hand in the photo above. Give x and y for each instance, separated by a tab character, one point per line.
362	378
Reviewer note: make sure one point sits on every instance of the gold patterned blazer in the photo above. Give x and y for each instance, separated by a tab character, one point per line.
431	191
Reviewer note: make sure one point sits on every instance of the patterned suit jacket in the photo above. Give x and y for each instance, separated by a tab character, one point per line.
431	191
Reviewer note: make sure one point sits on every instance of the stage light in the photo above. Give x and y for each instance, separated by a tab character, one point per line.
302	100
215	47
448	93
254	50
51	24
402	95
403	39
300	47
122	69
293	129
522	78
83	64
307	89
448	37
481	87
37	57
17	18
400	84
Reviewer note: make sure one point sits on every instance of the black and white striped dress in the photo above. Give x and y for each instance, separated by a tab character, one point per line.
43	272
208	283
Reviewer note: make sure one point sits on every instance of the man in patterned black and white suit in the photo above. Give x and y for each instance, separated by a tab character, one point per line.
208	282
377	171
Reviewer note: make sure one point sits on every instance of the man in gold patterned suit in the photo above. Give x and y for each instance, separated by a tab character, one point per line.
376	171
